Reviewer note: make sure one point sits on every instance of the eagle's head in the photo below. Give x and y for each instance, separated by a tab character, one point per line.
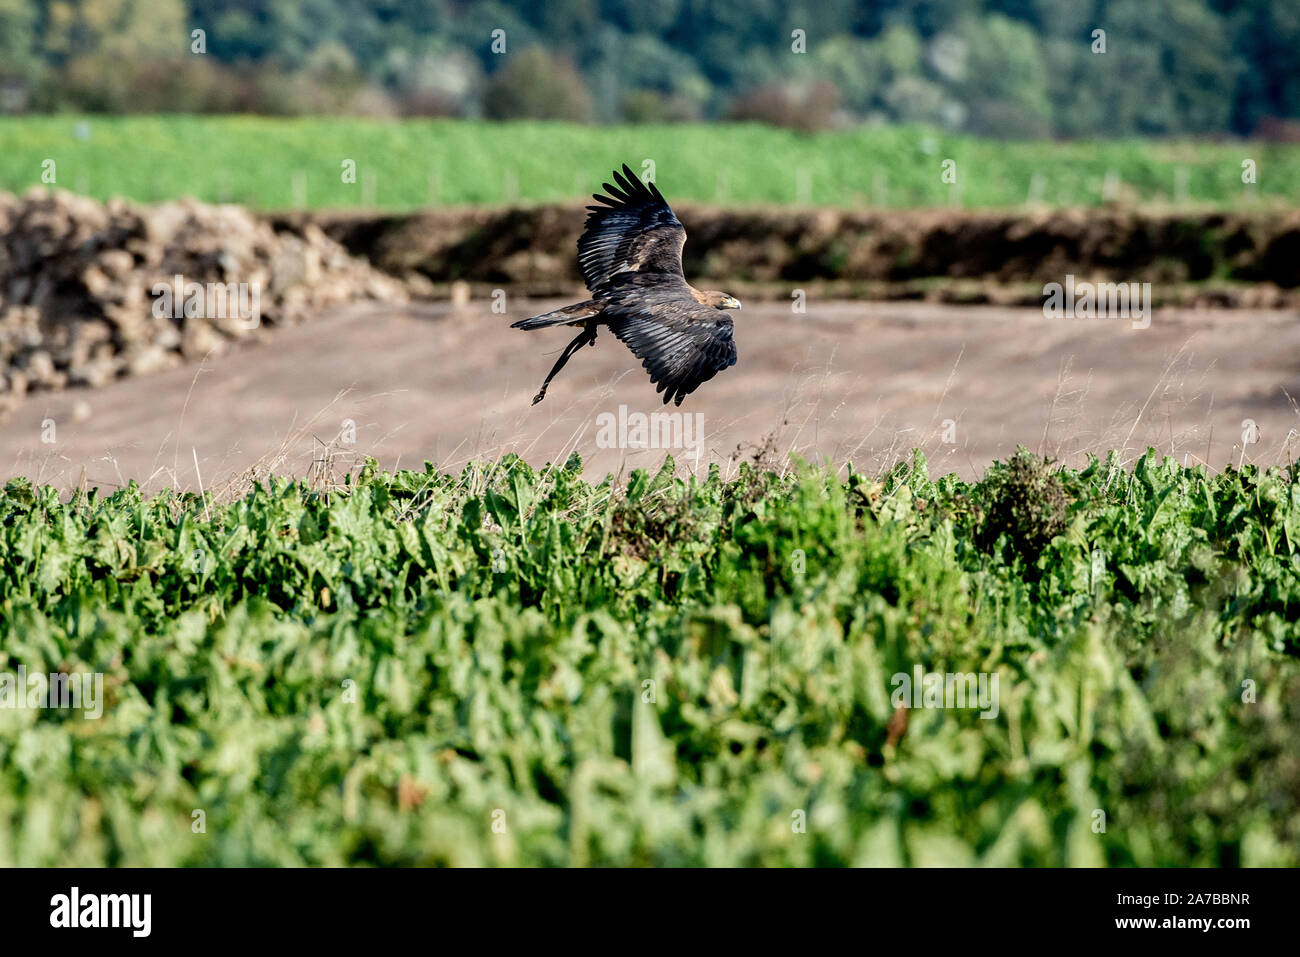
720	300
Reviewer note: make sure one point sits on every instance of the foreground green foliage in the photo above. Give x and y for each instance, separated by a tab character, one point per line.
405	165
670	672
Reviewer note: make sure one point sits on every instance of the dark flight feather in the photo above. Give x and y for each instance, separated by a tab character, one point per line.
635	231
680	342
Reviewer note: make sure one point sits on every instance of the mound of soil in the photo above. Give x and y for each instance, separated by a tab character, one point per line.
78	281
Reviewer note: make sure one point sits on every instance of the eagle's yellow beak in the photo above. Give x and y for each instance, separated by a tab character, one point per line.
731	302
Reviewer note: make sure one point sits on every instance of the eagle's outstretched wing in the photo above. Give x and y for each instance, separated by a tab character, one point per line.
635	231
680	343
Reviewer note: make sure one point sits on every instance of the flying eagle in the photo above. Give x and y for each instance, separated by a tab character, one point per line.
630	255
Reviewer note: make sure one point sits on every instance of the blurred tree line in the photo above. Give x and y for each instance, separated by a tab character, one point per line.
1011	68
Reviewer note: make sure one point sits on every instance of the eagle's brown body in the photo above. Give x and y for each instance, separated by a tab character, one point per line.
630	255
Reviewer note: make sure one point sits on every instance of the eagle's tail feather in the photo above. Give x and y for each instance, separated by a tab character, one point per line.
568	316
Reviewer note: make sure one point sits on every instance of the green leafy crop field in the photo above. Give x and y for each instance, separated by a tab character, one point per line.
513	666
270	163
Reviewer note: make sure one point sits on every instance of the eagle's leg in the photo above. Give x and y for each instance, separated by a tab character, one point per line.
586	337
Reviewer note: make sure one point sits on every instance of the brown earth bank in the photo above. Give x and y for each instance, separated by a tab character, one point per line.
857	249
848	381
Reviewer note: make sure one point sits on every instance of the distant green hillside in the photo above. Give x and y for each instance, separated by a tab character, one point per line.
283	163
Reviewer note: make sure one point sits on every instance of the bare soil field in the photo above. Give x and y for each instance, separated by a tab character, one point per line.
856	382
